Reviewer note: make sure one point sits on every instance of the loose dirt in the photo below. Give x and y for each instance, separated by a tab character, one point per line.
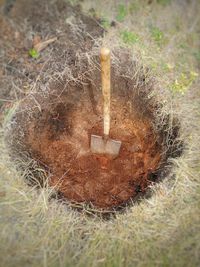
59	138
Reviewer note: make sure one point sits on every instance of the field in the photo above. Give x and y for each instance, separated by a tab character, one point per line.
155	47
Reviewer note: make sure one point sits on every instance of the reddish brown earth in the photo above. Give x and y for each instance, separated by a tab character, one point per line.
59	138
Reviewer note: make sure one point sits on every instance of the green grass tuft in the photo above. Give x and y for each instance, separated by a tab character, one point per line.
105	23
122	13
157	35
33	53
183	83
129	37
197	56
164	2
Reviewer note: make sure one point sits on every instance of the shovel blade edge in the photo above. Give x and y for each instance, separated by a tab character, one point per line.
101	146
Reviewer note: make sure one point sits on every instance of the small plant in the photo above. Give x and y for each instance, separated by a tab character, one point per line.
105	23
182	84
157	35
154	66
72	2
197	56
167	67
33	53
183	46
129	37
122	12
164	2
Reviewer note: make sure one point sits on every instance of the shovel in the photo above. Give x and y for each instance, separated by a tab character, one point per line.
103	144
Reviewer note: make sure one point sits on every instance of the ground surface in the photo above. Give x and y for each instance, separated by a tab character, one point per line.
38	230
59	137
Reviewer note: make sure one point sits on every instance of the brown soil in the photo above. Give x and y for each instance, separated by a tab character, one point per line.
23	21
59	137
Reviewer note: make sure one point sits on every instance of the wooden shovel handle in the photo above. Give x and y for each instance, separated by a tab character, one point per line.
105	78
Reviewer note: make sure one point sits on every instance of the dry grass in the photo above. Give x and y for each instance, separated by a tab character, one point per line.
163	230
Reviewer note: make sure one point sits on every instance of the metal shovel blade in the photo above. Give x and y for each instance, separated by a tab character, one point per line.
101	146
